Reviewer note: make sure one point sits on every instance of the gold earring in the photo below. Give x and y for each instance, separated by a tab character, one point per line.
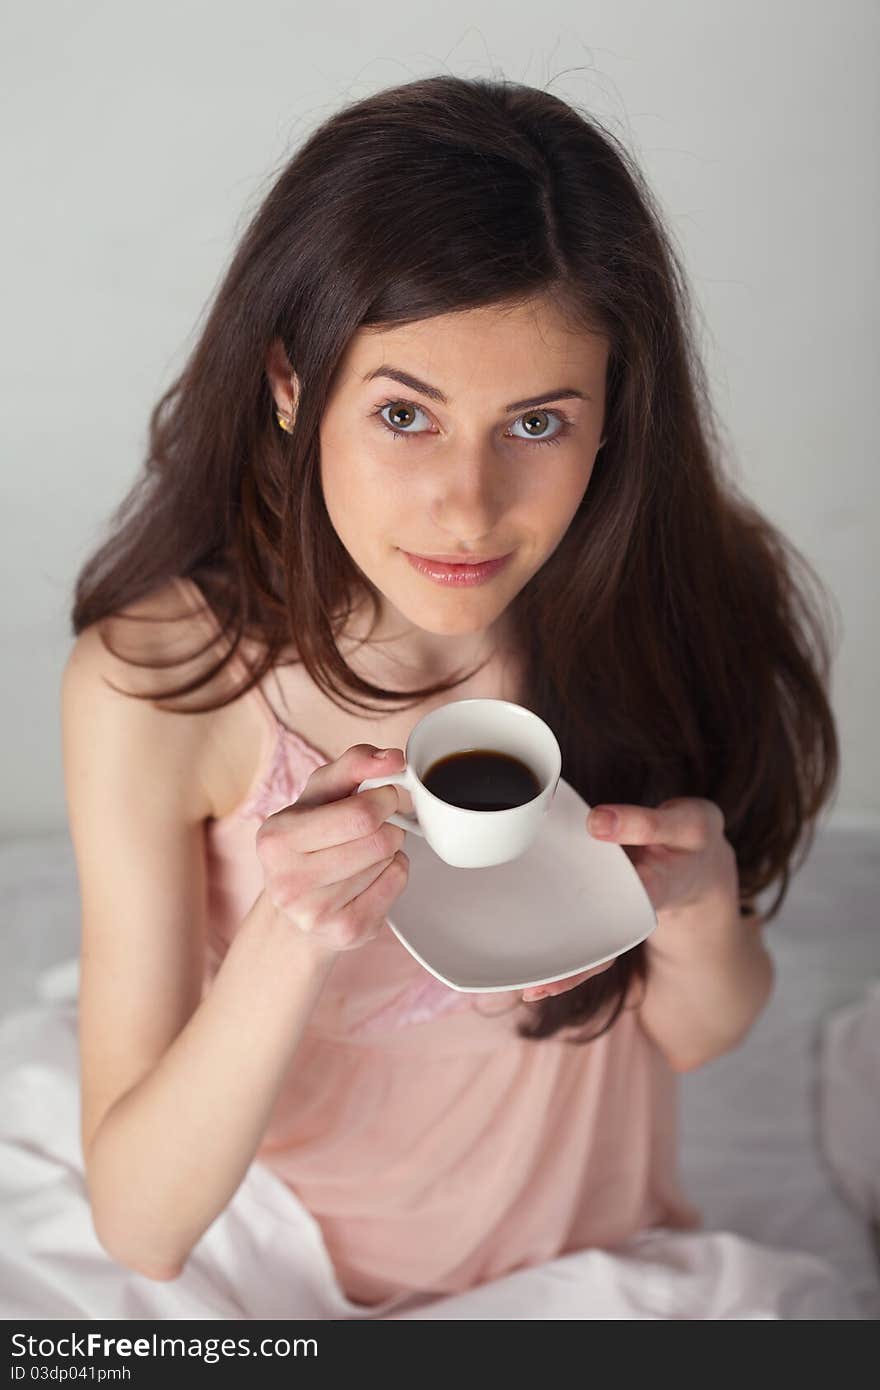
286	422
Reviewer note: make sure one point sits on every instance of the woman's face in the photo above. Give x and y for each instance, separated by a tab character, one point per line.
465	467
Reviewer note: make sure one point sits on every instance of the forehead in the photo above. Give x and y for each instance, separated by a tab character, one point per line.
474	347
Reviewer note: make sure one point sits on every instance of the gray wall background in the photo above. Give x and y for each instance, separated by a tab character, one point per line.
137	141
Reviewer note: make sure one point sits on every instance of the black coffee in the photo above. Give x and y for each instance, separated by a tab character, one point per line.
482	780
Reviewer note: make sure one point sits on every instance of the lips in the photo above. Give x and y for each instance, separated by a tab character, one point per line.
457	559
457	573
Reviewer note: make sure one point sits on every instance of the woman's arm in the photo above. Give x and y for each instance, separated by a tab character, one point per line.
709	977
169	1155
709	973
175	1089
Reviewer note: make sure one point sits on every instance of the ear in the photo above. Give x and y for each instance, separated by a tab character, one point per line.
283	380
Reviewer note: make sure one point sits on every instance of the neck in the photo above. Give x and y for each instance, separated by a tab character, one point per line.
407	656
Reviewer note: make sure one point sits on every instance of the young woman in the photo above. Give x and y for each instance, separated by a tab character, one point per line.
455	328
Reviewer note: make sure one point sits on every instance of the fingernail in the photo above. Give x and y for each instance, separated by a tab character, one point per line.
383	752
602	822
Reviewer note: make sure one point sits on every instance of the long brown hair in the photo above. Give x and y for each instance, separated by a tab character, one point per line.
671	640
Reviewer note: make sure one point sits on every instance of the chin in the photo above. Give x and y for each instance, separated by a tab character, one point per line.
446	613
450	624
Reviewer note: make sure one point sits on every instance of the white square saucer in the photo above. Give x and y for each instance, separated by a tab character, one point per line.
568	903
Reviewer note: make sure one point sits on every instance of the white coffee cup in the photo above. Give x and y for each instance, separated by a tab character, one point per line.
462	837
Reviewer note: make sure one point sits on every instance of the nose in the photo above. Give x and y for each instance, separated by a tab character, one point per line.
469	496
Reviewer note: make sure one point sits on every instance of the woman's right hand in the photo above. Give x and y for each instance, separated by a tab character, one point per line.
330	862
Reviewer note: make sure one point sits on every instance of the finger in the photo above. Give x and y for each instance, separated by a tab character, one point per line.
355	903
681	823
322	868
339	778
329	821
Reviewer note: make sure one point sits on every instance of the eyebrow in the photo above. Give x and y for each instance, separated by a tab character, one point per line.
435	394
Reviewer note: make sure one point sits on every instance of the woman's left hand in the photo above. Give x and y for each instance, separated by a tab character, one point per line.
680	853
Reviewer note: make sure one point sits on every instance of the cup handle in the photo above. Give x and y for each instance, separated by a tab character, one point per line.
403	779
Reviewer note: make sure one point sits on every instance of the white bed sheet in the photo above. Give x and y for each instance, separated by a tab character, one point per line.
781	1242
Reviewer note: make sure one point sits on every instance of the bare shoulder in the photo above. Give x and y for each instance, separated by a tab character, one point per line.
121	670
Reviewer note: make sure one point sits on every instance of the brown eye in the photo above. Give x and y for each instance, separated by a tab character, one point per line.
400	418
536	421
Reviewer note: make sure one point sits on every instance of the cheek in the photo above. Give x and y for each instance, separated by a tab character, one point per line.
376	478
363	500
344	472
341	494
553	499
575	482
